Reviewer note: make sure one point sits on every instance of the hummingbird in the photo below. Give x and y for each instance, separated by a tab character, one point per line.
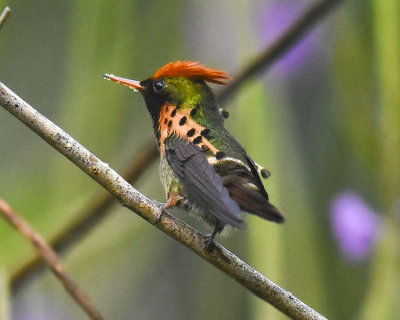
203	168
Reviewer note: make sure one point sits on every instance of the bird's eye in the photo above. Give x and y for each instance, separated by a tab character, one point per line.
159	85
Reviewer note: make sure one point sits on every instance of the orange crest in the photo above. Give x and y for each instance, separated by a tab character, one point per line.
194	70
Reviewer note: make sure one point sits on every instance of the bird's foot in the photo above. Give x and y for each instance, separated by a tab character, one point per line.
172	201
209	243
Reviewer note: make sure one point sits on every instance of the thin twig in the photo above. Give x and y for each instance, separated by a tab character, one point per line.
4	295
51	259
288	39
93	213
98	209
4	15
152	211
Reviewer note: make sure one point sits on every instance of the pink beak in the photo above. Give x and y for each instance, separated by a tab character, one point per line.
133	84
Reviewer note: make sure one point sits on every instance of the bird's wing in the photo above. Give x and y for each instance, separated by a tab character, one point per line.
203	185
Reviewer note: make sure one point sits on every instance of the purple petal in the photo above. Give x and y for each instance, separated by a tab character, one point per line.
355	225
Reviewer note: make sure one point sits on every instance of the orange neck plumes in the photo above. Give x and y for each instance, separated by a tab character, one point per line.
179	122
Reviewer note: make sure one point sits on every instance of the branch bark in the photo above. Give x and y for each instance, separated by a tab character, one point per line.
51	259
152	211
4	15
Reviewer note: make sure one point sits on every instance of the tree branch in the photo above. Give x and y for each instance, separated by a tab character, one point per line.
4	15
51	259
152	211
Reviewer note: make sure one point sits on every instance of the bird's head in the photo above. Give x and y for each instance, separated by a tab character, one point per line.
180	83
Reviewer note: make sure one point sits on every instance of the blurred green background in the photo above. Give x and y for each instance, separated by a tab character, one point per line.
325	121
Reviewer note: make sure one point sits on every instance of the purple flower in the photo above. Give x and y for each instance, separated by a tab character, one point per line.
274	21
355	225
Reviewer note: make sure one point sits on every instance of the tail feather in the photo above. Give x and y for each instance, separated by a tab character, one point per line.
252	201
245	187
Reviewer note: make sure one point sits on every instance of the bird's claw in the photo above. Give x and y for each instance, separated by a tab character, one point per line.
209	243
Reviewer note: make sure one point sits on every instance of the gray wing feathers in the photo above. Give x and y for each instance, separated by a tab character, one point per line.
204	186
